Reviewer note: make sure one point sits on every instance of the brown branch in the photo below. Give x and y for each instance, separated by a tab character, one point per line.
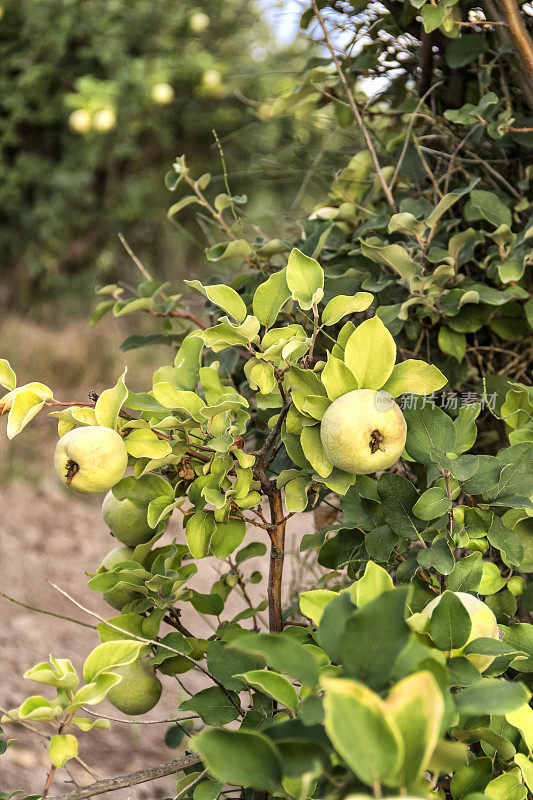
132	779
355	111
523	78
277	554
519	34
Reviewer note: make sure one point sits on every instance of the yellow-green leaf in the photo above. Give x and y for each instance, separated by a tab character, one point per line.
414	377
370	353
62	747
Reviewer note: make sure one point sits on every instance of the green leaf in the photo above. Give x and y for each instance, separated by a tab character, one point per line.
465	427
376	755
296	493
471	778
370	354
305	279
369	650
241	758
432	503
450	624
429	431
183	203
466	574
270	297
432	16
59	673
179	400
487	205
452	342
213	706
143	443
398	496
414	377
337	378
62	747
522	718
237	248
313	603
141	491
7	377
26	404
224	297
227	537
108	655
338	307
394	256
491	581
123	307
100	311
95	691
374	582
38	709
110	402
314	450
465	49
439	556
272	684
281	653
492	696
187	363
447	202
416	706
199	530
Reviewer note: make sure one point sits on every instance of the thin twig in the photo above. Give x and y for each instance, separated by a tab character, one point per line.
355	111
131	779
139	721
137	261
48	613
408	132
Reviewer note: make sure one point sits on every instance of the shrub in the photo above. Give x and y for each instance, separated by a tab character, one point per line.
404	668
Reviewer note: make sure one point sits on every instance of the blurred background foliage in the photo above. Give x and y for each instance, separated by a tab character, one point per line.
96	99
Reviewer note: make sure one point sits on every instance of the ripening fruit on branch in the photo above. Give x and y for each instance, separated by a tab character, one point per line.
138	691
104	120
363	431
117	597
162	93
484	625
80	120
212	82
90	460
199	22
126	521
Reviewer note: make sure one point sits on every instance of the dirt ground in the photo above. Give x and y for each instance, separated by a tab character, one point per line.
50	534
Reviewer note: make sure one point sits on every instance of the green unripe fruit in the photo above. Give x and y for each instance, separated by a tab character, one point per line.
126	521
91	459
363	431
516	585
118	597
138	691
116	556
483	621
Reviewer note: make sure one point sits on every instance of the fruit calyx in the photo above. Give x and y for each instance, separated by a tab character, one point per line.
376	438
72	469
